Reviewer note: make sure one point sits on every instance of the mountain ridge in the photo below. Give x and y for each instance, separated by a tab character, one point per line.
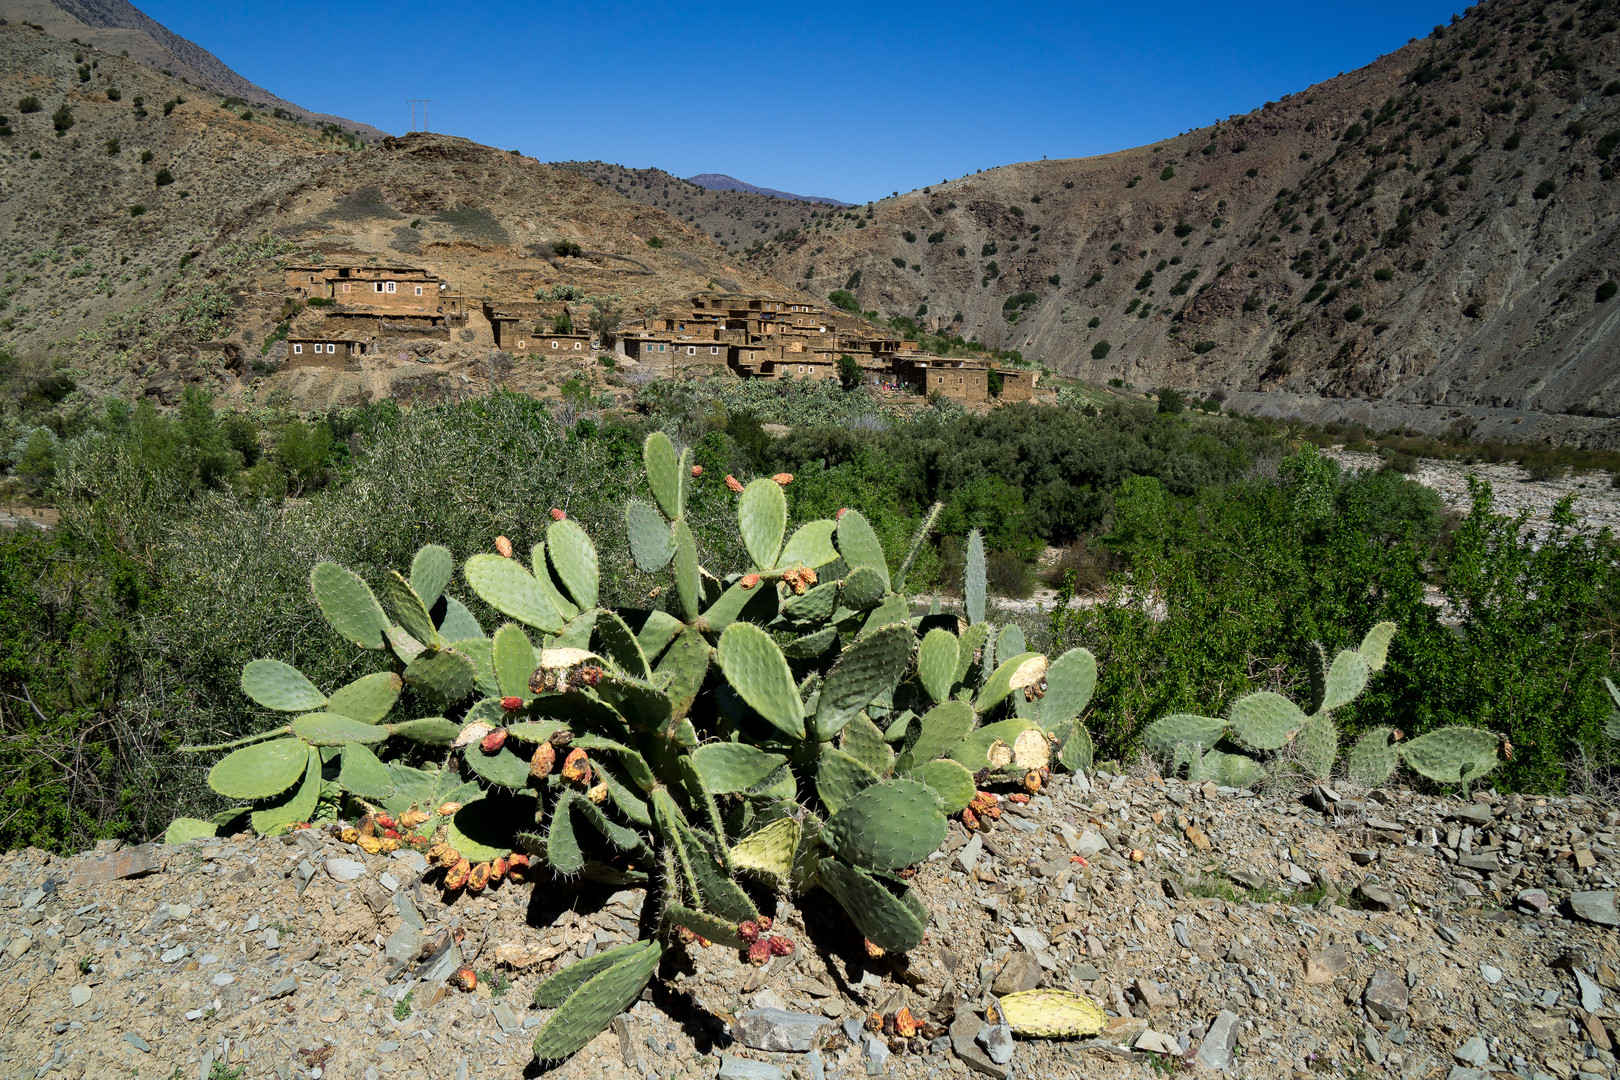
722	182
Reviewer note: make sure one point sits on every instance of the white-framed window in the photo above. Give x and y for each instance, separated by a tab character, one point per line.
419	290
553	344
576	346
714	350
298	350
345	286
390	286
691	350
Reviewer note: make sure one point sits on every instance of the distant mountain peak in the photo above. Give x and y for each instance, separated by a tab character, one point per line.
722	182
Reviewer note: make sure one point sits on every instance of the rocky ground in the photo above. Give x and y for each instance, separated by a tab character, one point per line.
1361	934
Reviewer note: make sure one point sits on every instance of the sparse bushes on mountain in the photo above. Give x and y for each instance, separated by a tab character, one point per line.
114	94
163	178
1094	322
1606	291
844	300
1202	347
62	119
1101	350
1054	279
1544	189
1353	312
898	261
1168	173
29	104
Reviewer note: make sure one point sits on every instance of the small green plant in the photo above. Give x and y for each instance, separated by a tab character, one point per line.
85	964
220	1071
402	1007
137	210
1606	291
1169	173
499	982
655	242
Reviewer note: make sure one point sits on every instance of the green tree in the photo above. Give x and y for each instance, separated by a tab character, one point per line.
301	451
849	372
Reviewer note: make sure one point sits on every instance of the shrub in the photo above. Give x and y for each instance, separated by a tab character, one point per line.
29	104
1353	312
114	94
1512	141
936	237
1544	189
1171	400
1168	173
1133	181
62	119
1383	273
1054	279
1096	276
1203	347
898	261
146	156
1145	281
1020	300
1606	291
988	249
1094	322
844	300
1353	132
1101	350
655	241
566	249
163	178
992	270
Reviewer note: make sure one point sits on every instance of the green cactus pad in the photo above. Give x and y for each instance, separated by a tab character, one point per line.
617	642
840	777
871	666
592	1007
574	558
504	768
969	644
409	609
768	852
1265	721
1164	735
688	581
810	545
714	930
1374	758
1451	755
431	570
816	605
760	599
481	651
279	686
717	892
663	473
863	589
429	731
1076	752
973	578
513	659
685	665
949	780
973	751
1318	746
1614	691
563	853
762	520
625	795
652	544
728	767
889	914
1070	680
555	988
936	663
506	586
1375	646
894	610
442	674
621	837
1345	679
458	623
184	829
863	741
1014	673
758	671
405	647
540	565
859	545
941	729
888	825
1010	642
643	704
330	729
811	644
261	770
362	774
349	605
299	806
482	830
367	699
657	632
576	632
1225	770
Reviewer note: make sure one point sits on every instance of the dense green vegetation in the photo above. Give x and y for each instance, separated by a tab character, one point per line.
185	540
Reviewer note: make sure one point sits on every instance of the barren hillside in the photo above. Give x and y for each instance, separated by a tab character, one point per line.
1424	240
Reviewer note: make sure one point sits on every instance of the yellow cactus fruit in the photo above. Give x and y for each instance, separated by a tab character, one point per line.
598	794
371	845
478	878
458	873
349	834
1051	1014
545	756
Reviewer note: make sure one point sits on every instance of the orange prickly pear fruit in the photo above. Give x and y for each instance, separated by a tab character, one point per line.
437	850
905	1025
750	580
576	768
684	936
503	547
697	470
478	878
781	946
458	873
759	953
368	825
734	484
349	834
839	516
371	845
466	980
1018	797
874	1021
390	844
1032	781
545	755
764	922
497	869
873	951
447	809
493	742
783	478
557	515
807	575
386	821
517	867
412	818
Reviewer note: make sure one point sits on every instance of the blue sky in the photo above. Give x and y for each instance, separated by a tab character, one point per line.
849	100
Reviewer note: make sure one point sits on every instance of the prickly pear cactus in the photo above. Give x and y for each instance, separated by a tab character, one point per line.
791	725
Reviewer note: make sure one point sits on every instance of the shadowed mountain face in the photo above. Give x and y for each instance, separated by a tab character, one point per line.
117	26
722	182
1425	241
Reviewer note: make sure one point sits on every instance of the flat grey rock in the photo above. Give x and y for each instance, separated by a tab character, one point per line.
1022	971
345	869
964	1034
1377	897
737	1068
1473	1052
1490	973
997	1041
403	944
1472	813
1591	995
1386	995
782	1031
1595	907
281	989
1215	1052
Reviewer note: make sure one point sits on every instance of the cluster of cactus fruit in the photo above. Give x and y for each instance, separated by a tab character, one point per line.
1269	723
792	726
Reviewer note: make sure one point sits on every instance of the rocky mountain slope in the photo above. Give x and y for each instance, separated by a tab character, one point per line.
1347	933
1427	239
117	26
722	182
142	242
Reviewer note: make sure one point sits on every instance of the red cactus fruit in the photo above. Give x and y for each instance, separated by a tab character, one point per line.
466	980
734	484
750	580
386	821
456	876
497	869
748	930
969	818
684	936
479	877
839	515
1018	797
493	742
905	1025
697	470
781	946
783	478
545	755
503	547
511	704
557	515
390	834
517	868
759	953
434	852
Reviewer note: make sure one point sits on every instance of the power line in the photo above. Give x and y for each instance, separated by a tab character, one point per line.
414	102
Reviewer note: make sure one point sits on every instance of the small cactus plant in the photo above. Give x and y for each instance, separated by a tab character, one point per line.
779	727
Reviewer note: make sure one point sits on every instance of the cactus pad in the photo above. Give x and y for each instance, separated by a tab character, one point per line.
512	657
1070	680
888	825
482	830
431	570
1010	641
809	645
430	731
810	545
592	1007
1345	679
688	582
1374	758
1076	752
362	774
949	780
887	913
652	544
762	520
367	699
299	806
968	650
711	928
768	851
261	770
840	777
409	609
936	663
330	729
864	742
184	829
758	671
1225	770
728	767
1164	735
973	578
458	623
349	605
1318	746
864	588
506	586
1265	721
663	473
973	750
1014	673
1052	1014
618	643
442	674
1452	755
871	666
816	605
1375	646
279	686
574	558
503	768
859	545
